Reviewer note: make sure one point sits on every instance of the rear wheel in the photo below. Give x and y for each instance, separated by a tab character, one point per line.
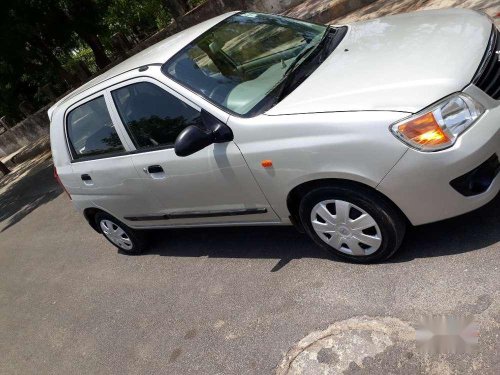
354	224
124	238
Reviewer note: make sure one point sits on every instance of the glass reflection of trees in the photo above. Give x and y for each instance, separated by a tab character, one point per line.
155	131
91	131
153	117
106	145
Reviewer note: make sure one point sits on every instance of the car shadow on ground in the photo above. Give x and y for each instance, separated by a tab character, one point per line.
469	232
26	188
272	242
465	233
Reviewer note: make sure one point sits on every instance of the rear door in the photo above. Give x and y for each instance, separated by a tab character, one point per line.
103	170
212	186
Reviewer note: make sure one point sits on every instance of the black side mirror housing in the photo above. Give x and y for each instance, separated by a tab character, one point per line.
193	138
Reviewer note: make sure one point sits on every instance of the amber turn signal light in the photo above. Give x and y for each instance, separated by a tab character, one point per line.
438	126
266	163
424	131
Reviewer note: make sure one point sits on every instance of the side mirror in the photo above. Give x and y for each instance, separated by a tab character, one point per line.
193	138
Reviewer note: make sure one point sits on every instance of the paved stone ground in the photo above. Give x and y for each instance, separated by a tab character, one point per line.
230	301
386	7
233	300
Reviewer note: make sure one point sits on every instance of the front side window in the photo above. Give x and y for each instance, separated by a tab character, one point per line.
91	131
239	61
152	116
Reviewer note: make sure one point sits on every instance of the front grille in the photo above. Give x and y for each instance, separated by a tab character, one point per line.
487	78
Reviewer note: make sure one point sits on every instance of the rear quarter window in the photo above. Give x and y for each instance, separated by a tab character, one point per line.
91	131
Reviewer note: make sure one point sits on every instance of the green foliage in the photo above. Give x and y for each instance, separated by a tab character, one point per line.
83	54
43	40
195	3
132	17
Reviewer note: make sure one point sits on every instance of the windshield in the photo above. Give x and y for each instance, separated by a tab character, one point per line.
239	61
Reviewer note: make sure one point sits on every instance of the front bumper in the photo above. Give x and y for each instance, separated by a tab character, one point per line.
419	184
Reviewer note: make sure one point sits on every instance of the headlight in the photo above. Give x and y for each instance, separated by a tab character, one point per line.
439	126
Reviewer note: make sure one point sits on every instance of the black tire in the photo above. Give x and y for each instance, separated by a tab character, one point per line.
138	239
390	221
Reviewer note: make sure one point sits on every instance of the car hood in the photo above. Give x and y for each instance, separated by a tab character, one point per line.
397	63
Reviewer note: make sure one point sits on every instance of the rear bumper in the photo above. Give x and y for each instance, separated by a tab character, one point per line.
421	183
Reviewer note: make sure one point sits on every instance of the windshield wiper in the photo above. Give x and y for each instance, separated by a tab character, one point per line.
299	57
288	76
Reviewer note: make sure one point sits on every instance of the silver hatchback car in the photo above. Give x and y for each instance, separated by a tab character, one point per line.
350	133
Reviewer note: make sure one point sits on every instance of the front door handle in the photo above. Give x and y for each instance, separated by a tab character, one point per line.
155	169
156	172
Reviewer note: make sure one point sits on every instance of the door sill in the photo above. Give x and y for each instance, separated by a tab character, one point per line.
198	214
208	225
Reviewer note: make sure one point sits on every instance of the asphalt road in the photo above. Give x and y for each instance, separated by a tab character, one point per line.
229	301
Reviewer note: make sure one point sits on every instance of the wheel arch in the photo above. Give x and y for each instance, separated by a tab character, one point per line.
298	192
89	214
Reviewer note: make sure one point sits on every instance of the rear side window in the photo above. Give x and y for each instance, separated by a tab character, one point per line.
91	131
152	116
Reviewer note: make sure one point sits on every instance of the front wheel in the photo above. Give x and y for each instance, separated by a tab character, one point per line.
124	238
354	224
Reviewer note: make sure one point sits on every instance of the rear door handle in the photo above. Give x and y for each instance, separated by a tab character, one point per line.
87	180
155	169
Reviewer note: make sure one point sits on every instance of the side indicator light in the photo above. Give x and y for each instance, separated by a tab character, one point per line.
267	163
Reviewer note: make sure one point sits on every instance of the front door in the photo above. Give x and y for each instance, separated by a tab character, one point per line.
212	186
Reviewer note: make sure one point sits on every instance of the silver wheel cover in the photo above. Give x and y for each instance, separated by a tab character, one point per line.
116	235
346	227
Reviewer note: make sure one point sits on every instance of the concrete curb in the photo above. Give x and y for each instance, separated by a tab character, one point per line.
27	153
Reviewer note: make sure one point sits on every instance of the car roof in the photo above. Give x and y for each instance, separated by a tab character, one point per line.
158	53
